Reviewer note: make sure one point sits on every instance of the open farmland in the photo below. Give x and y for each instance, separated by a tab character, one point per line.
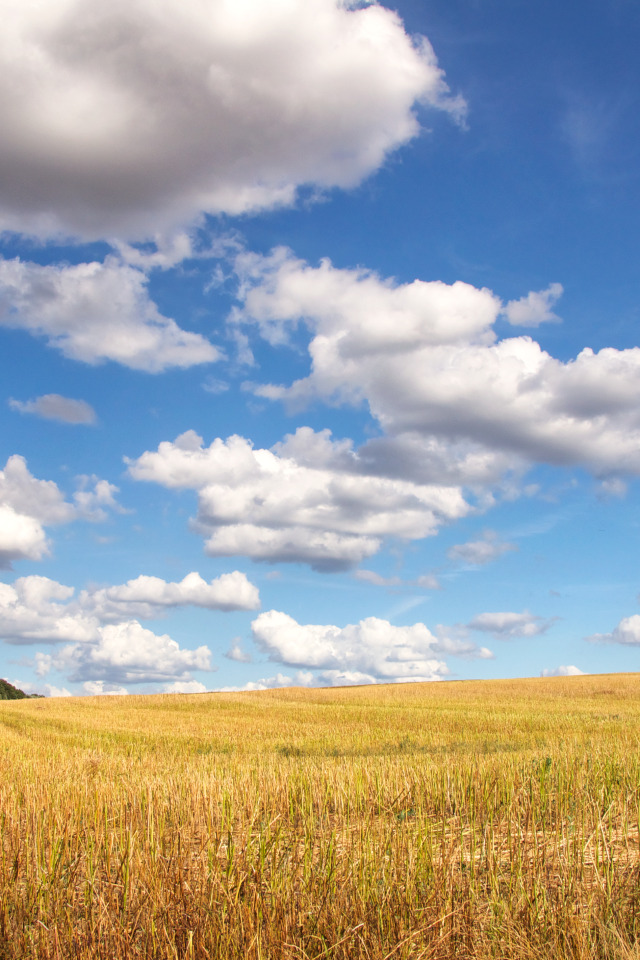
478	819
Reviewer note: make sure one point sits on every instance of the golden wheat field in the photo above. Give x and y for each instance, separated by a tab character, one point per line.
467	820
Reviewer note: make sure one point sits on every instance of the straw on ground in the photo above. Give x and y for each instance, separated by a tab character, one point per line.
424	821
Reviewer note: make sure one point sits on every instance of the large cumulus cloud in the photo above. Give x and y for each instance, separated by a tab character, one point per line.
371	651
126	118
104	643
29	505
426	359
127	653
94	312
150	597
626	633
37	609
308	500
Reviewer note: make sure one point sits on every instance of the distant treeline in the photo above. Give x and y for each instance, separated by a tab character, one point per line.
9	692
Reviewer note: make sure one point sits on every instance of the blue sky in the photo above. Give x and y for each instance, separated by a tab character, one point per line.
319	340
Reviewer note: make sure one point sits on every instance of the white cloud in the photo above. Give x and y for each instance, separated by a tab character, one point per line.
52	691
305	678
454	640
353	678
36	610
324	551
370	576
91	503
94	312
128	119
429	581
426	360
568	671
302	678
27	505
306	500
214	386
150	597
480	552
105	645
184	686
21	537
371	651
535	308
40	499
43	502
506	625
429	459
165	251
129	653
612	487
99	688
367	314
42	663
52	406
46	689
627	633
236	652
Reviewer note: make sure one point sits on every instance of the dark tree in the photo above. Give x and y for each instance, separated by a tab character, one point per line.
9	692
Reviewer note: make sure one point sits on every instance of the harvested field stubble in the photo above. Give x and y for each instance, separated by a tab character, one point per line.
424	821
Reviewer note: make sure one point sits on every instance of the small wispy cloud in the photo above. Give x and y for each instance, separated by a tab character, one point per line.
53	406
535	308
568	671
370	576
505	625
427	581
237	653
480	552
